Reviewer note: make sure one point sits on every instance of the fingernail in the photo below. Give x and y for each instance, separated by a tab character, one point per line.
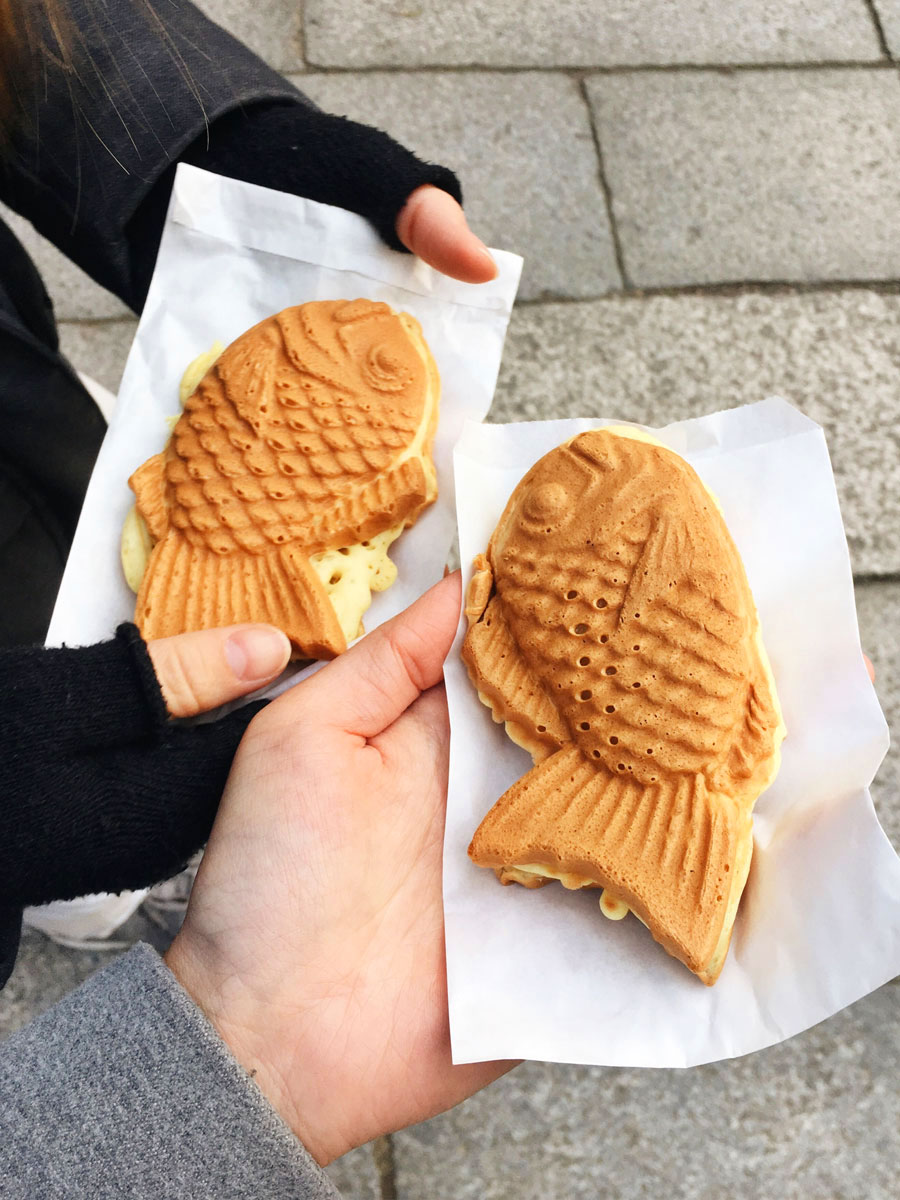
257	653
485	253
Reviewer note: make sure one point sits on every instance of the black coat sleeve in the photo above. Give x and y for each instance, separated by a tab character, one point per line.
92	166
99	789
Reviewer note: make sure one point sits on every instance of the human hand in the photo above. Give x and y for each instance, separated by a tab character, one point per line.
314	937
432	225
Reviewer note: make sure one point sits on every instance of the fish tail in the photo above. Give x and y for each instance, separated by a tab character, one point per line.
531	820
666	848
187	586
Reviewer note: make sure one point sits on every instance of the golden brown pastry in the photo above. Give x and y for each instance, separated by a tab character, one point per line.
310	436
612	628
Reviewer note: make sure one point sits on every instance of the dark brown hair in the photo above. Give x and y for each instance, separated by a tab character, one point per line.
30	30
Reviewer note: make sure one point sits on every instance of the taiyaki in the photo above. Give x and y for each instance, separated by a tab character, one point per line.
612	627
302	452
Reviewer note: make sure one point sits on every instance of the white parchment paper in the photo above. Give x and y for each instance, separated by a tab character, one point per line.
231	254
542	974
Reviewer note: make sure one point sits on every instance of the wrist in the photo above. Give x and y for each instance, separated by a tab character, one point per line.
249	1028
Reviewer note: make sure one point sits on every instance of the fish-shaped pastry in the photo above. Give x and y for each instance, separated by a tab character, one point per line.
303	451
612	628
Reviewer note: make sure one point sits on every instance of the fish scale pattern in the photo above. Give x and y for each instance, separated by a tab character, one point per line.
647	646
299	416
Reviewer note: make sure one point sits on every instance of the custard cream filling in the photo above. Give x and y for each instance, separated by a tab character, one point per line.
610	906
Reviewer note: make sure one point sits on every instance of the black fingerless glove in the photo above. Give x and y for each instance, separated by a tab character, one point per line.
99	789
300	149
297	148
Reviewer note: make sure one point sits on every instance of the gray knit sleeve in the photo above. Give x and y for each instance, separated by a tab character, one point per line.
125	1090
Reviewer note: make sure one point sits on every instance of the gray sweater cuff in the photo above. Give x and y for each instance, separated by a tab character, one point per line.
125	1089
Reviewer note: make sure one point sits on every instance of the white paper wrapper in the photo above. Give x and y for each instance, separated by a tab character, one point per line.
231	254
542	974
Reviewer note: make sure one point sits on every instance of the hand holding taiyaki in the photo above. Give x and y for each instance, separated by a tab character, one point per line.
301	454
333	818
613	630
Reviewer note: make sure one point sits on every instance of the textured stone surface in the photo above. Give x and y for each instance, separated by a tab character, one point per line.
356	1175
271	28
74	294
878	606
660	359
815	1118
98	348
596	33
889	15
753	176
523	149
45	972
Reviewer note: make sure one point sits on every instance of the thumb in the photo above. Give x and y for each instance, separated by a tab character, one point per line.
367	688
199	671
432	225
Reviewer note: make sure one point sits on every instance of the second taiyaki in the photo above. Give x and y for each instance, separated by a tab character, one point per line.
303	451
613	630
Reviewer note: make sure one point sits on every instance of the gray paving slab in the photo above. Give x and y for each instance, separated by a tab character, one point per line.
571	33
889	15
75	295
756	175
816	1118
836	355
99	348
523	148
45	972
271	28
356	1175
878	607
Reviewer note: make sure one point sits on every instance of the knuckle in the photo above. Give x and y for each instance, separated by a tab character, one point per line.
180	690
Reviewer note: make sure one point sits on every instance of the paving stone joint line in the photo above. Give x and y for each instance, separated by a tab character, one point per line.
577	71
607	189
879	28
383	1154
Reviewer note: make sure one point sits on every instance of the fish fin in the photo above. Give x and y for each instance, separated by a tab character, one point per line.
187	586
395	497
506	685
149	486
670	850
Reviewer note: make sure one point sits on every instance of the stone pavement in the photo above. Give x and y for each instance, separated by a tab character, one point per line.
708	199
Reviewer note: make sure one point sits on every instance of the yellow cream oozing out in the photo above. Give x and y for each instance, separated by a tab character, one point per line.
195	371
350	575
610	906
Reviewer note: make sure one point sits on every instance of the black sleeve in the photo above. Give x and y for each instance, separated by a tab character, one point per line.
10	933
99	789
155	84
